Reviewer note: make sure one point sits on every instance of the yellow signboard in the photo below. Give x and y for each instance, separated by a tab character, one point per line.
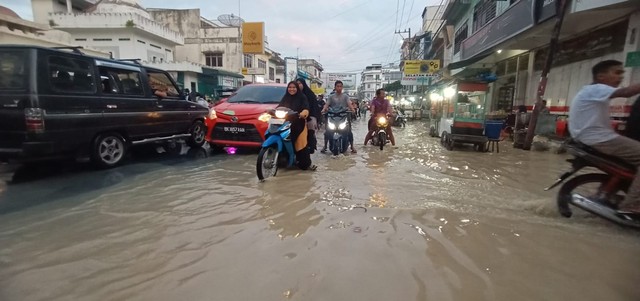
253	37
318	91
421	67
245	71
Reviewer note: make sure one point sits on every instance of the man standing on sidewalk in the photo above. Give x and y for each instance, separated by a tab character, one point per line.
590	124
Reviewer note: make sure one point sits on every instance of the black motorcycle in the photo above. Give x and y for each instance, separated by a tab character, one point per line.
338	128
609	190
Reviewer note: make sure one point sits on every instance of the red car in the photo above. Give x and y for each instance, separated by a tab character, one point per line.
240	120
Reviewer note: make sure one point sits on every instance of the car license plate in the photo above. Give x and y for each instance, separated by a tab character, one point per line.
234	129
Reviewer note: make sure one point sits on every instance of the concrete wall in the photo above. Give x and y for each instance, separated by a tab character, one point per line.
46	39
115	40
184	21
42	8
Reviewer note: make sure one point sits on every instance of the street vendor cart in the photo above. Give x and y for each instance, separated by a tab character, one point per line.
468	121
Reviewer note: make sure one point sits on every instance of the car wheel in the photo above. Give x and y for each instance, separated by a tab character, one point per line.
108	150
198	131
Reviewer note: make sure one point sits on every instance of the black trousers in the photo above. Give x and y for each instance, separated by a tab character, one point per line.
303	157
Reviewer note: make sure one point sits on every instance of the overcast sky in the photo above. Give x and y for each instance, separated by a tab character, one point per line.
343	35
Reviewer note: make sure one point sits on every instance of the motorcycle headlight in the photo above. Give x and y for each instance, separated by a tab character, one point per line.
382	120
281	114
212	114
342	125
264	117
332	126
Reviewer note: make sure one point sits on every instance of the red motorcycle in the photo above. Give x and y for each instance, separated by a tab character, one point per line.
603	198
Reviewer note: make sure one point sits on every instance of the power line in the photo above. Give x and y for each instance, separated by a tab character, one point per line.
410	9
404	2
347	10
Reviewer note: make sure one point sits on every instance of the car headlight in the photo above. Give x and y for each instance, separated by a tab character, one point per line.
332	126
343	125
382	120
265	117
281	114
212	114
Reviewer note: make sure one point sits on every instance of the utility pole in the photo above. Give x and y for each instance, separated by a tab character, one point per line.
405	31
561	7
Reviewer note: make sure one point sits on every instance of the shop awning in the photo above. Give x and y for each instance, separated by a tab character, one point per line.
212	71
470	61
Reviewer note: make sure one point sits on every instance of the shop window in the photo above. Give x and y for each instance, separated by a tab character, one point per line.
69	75
483	13
213	59
501	68
461	35
512	65
524	62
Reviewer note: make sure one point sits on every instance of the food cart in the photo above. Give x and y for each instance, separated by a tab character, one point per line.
469	117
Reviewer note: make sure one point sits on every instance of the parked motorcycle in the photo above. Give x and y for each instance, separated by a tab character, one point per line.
602	200
277	148
401	119
338	127
379	137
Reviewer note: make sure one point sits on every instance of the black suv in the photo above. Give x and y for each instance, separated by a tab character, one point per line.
55	102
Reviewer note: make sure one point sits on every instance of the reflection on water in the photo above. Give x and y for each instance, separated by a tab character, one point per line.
412	223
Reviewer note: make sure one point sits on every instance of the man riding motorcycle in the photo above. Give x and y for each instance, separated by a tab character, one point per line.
380	107
589	122
338	102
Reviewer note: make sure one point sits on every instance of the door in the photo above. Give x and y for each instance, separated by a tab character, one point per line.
174	113
125	103
69	99
14	96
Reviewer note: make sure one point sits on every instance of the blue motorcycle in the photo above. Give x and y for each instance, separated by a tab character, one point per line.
277	142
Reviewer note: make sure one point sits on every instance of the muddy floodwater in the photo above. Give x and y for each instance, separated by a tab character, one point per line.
416	222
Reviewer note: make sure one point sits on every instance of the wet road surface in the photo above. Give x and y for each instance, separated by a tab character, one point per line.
413	223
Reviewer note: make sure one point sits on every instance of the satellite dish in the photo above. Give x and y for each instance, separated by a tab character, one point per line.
230	20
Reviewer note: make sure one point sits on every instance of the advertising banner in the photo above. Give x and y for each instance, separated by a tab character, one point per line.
348	80
418	80
253	37
422	67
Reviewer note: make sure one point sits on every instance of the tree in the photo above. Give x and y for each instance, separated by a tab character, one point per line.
394	86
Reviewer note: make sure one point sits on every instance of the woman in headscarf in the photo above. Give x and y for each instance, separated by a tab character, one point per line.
314	112
296	101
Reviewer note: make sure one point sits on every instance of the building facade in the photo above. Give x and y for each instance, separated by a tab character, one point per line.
498	48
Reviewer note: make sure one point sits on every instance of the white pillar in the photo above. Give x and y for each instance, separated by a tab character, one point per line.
69	8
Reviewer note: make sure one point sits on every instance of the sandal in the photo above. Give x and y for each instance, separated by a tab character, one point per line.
354	151
313	167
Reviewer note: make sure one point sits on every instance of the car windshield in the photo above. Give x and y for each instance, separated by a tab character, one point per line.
258	94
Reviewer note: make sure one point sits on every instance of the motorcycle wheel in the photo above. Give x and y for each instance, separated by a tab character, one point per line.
267	164
336	146
566	191
382	138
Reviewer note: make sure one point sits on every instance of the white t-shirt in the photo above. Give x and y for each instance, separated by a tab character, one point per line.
589	120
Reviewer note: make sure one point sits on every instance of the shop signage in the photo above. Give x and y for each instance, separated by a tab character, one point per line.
515	20
253	37
418	80
422	67
227	82
633	59
545	9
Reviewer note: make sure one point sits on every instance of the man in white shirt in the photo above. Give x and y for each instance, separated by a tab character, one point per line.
590	124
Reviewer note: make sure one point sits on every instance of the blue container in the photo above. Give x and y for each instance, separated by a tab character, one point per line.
492	129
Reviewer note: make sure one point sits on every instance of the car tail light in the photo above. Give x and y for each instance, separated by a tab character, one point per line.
34	119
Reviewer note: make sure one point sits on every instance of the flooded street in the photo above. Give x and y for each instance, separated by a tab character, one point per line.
413	223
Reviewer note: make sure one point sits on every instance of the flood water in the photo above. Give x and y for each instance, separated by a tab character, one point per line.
413	223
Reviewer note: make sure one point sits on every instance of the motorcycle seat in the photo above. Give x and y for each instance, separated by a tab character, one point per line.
602	156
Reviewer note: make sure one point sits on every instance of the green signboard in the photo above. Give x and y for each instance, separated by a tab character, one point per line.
633	59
